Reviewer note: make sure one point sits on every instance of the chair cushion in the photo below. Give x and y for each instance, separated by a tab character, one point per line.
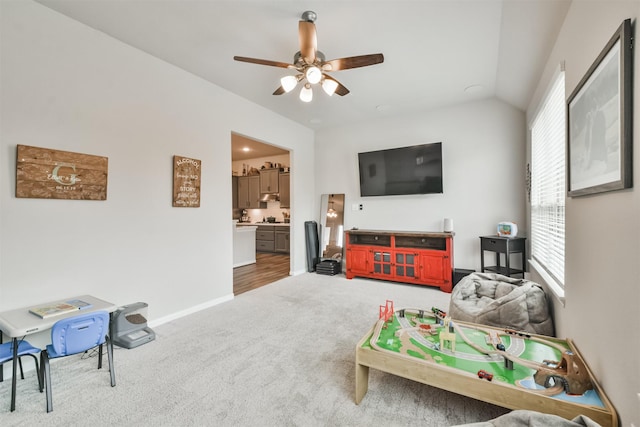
501	301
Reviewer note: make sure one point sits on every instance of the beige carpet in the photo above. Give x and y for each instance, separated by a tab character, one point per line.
281	355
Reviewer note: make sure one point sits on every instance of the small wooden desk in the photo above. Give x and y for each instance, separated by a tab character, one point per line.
19	323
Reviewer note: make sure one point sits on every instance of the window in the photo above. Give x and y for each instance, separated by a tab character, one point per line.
548	184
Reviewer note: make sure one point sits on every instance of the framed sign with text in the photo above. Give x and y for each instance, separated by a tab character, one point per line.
44	173
186	182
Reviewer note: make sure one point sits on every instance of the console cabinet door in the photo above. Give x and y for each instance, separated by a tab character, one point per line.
382	263
406	265
358	261
433	268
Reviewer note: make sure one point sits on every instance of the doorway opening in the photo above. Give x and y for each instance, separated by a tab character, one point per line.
261	196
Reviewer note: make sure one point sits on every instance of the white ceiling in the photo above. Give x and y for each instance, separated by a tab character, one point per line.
245	148
433	49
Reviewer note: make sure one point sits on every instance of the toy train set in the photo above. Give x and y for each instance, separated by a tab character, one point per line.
557	371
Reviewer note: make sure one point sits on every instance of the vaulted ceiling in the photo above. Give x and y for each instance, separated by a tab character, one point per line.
436	52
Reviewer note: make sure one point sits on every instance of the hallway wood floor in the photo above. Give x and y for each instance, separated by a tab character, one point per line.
268	268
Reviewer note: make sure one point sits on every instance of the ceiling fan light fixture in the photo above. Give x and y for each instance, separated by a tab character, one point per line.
313	74
310	64
329	86
288	83
306	94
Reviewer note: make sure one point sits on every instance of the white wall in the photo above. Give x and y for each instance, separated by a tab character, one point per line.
483	149
602	231
69	87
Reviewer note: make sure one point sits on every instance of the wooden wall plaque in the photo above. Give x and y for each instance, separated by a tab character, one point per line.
44	173
186	182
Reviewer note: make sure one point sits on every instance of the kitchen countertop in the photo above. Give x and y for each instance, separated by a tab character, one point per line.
246	228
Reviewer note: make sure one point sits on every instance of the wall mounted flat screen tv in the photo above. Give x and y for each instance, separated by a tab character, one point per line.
406	170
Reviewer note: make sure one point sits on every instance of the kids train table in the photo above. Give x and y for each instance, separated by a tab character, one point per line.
507	368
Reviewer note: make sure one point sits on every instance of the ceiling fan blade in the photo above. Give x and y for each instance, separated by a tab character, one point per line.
308	41
279	91
341	89
352	62
263	62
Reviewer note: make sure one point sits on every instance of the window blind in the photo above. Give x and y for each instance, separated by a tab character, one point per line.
548	183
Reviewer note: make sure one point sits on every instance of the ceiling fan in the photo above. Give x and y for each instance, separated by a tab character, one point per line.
311	65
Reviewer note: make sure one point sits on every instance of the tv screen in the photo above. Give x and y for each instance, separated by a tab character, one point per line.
406	170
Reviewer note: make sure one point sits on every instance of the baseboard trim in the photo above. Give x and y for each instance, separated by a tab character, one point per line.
242	264
191	310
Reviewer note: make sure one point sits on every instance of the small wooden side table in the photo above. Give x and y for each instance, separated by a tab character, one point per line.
507	246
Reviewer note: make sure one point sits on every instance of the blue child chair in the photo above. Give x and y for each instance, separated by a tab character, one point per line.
75	335
24	349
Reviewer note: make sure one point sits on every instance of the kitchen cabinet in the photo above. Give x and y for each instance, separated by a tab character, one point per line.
272	237
281	242
269	181
285	199
234	192
410	257
249	192
265	238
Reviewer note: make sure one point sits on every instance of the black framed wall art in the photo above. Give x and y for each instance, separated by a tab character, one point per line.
599	121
